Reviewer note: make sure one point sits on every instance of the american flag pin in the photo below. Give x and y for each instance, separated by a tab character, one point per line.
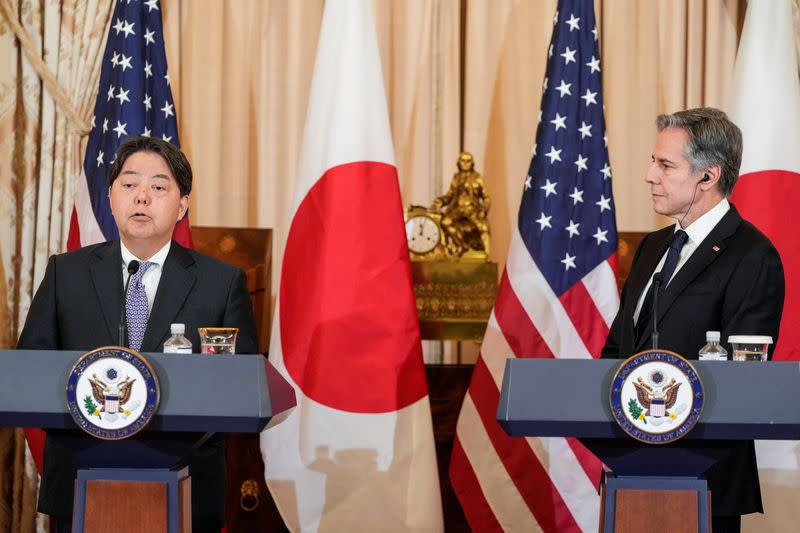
715	248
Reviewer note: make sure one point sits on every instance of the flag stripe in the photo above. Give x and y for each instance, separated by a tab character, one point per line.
591	465
504	500
540	302
74	235
527	473
566	469
597	283
87	227
474	504
524	340
520	333
589	323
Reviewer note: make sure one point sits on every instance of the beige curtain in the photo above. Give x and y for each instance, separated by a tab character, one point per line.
41	155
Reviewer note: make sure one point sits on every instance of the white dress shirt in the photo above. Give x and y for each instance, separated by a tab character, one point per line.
150	278
696	231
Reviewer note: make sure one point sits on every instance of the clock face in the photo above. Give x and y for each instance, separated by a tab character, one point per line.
422	233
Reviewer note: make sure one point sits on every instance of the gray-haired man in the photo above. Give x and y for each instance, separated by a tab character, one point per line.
719	274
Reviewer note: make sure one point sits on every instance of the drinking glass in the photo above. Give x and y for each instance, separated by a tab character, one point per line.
750	347
218	340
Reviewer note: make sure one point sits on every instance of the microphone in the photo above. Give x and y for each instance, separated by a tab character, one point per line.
133	268
658	279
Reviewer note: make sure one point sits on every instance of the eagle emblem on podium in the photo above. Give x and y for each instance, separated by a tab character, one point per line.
656	396
111	396
656	399
112	392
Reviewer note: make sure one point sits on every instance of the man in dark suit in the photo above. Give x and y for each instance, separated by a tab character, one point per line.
77	306
719	273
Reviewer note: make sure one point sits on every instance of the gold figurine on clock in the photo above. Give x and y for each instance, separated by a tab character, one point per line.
465	211
456	226
455	284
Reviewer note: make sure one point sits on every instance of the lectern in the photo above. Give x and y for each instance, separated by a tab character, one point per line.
570	398
200	395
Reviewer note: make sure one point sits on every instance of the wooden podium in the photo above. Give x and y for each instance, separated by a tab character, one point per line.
651	487
141	483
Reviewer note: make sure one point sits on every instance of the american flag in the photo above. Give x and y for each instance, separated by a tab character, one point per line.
557	298
134	98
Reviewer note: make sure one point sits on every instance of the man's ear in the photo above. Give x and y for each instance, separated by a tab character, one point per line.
184	203
710	178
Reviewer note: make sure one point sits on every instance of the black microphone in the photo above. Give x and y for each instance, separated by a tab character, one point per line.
133	268
658	279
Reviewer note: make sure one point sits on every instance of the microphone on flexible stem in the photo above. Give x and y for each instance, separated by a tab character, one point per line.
658	279
133	268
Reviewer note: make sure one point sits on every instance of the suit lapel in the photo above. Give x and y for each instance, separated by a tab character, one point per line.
701	258
177	279
106	273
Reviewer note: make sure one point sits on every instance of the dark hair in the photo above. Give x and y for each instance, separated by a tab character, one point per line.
175	159
713	141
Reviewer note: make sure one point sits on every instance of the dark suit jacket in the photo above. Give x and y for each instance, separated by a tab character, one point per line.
77	307
732	283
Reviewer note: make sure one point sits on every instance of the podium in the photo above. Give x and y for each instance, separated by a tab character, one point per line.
743	401
144	475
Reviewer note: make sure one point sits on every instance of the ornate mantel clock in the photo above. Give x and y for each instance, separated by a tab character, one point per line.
448	242
426	240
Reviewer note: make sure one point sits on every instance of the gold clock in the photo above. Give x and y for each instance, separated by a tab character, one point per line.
424	233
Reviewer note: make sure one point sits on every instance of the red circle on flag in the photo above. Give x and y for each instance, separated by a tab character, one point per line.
348	323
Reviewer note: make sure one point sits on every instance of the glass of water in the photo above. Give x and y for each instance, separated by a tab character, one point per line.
218	340
750	347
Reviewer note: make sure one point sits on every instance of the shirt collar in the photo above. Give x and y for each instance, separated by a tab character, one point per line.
158	258
700	228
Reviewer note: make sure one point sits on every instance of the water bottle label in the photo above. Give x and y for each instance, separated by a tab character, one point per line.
177	349
713	357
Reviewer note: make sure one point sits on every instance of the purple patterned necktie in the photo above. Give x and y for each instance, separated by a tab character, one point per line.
136	307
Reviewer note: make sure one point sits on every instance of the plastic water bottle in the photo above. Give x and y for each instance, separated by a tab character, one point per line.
713	350
177	343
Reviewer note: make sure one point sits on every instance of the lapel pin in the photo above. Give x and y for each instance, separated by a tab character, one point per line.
715	248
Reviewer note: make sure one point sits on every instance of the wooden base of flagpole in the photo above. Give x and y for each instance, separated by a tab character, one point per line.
644	505
122	500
